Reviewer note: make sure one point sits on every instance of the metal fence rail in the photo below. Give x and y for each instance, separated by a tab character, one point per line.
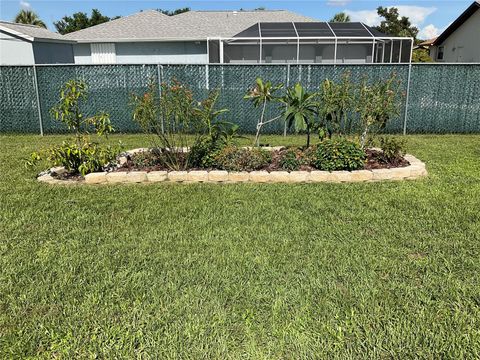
440	98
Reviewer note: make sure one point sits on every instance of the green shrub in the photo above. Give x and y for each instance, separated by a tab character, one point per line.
292	159
393	148
146	159
339	154
233	158
203	152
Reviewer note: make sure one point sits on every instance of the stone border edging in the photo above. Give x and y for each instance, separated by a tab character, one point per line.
415	170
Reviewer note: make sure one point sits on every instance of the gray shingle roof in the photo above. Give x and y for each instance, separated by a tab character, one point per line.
230	23
31	31
153	25
149	24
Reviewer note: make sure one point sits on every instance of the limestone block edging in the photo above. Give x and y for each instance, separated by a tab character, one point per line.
415	170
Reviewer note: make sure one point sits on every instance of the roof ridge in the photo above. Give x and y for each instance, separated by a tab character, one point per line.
108	23
20	24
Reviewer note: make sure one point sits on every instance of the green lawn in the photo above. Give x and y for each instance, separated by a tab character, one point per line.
376	270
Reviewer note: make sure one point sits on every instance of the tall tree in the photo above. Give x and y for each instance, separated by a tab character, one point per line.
340	17
174	12
30	18
80	20
394	24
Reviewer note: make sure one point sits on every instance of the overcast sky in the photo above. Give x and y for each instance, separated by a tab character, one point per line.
431	17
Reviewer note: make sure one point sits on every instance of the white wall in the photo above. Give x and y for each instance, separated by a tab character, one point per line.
15	51
463	45
82	54
149	52
162	52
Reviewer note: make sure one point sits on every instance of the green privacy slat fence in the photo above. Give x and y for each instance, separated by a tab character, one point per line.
442	98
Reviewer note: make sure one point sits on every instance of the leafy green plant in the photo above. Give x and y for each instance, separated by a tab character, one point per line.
218	132
169	118
336	105
290	161
294	158
377	104
301	110
339	154
393	149
235	158
260	95
79	155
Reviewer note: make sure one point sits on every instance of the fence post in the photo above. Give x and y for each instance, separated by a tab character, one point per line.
287	85
39	109
406	99
159	77
207	77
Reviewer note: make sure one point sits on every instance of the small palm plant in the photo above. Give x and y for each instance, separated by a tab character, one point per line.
30	18
260	95
301	110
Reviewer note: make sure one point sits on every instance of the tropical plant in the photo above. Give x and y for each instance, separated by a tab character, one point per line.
260	95
170	121
336	105
339	154
377	103
80	155
30	18
301	109
218	132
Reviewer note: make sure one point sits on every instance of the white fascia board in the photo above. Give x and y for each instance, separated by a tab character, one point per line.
89	41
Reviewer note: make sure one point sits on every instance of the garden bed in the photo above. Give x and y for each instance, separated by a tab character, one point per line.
127	171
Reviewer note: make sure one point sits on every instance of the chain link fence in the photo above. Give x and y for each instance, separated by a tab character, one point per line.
442	98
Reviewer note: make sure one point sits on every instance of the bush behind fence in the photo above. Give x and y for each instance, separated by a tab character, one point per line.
442	98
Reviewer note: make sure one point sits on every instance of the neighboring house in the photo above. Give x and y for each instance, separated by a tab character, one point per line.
263	36
425	45
22	44
460	42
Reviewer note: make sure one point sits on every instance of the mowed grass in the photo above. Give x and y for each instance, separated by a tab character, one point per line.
376	271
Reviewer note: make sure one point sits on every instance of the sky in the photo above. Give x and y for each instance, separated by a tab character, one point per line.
431	17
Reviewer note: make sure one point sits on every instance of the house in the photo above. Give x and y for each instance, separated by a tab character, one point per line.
262	36
202	37
425	45
28	44
460	42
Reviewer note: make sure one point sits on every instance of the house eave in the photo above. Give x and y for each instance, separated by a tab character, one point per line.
128	40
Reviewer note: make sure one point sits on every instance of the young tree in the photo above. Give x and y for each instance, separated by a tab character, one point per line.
80	20
394	24
260	95
340	17
301	110
30	18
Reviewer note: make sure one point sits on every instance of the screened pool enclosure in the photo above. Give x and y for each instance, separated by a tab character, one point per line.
311	43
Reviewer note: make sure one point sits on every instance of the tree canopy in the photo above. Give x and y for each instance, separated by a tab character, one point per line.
340	17
80	20
30	18
174	12
394	24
